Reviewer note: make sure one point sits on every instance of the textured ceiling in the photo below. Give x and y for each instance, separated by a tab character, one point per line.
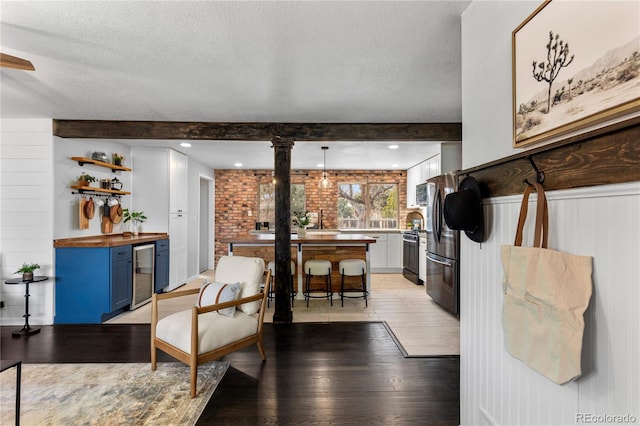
305	61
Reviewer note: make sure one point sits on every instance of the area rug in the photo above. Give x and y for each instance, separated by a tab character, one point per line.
108	394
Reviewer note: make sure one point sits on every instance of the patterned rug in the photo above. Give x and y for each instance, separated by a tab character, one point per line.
108	394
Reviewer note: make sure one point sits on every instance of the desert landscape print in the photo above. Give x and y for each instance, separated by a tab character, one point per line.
567	70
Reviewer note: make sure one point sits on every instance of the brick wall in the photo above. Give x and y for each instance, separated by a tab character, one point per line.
237	194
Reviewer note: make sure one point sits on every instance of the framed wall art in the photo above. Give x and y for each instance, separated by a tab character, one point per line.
575	65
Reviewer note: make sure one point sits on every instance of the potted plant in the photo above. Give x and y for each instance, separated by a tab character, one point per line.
27	271
136	219
85	179
302	220
118	159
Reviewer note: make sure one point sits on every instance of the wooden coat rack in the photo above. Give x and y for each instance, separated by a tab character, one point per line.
603	156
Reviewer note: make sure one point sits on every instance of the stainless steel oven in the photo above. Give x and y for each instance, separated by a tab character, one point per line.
410	256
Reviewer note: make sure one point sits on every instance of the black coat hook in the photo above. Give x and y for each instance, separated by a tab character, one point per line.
539	174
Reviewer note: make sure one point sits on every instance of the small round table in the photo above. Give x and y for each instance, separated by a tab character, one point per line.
27	330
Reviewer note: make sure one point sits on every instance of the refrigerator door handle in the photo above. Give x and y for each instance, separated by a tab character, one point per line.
441	262
434	217
437	214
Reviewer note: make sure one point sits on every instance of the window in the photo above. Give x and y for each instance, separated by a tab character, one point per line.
373	205
266	201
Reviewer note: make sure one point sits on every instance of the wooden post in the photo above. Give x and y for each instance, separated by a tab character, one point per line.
282	164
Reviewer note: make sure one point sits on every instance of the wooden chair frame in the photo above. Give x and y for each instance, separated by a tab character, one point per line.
193	359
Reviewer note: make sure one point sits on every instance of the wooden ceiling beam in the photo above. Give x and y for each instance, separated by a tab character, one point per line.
8	61
101	129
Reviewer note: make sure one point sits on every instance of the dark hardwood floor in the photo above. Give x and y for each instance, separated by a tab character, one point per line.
316	373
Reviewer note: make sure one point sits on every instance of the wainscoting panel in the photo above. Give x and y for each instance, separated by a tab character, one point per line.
497	389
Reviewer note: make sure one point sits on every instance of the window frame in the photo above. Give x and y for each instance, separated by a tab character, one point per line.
294	208
368	208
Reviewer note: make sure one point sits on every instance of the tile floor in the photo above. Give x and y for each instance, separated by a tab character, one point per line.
421	327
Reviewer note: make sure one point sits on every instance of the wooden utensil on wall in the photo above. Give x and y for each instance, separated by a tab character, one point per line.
89	208
106	225
83	222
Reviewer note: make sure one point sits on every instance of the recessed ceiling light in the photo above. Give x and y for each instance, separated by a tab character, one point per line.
394	146
185	144
237	164
394	165
320	165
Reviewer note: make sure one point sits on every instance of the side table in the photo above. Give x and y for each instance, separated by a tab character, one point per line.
27	330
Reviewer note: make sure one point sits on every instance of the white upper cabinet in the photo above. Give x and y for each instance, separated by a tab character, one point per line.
178	178
160	185
431	168
413	178
448	160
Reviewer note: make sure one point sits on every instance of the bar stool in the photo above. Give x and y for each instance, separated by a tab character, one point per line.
271	290
317	268
353	268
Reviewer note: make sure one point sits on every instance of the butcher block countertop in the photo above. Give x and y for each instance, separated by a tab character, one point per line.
112	240
311	238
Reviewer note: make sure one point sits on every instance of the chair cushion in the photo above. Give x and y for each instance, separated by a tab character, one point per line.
317	267
246	270
213	293
352	267
214	331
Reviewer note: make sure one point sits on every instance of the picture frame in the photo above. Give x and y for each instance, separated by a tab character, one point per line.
575	65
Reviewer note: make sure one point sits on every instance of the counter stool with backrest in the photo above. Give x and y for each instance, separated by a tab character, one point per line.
271	285
353	268
317	268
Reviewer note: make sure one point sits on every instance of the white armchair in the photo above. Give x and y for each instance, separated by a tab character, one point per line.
209	331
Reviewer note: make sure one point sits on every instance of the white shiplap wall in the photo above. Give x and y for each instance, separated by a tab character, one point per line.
602	222
26	216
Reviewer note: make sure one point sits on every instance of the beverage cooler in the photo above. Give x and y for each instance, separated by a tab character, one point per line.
143	275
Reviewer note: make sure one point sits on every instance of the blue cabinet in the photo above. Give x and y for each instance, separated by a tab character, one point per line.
92	283
161	266
121	277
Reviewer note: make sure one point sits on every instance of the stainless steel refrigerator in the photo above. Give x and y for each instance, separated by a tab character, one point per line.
443	246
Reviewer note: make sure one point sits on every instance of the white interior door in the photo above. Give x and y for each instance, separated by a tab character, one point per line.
204	232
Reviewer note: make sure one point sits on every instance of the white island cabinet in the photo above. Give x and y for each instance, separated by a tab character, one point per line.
386	253
160	181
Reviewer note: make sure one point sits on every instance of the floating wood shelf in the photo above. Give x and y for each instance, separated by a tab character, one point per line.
82	161
91	189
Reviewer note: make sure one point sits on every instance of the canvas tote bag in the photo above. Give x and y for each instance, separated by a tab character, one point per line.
546	293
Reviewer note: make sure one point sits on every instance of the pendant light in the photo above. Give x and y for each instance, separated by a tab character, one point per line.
324	183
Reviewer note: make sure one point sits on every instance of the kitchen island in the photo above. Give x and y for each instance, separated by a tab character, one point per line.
333	247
